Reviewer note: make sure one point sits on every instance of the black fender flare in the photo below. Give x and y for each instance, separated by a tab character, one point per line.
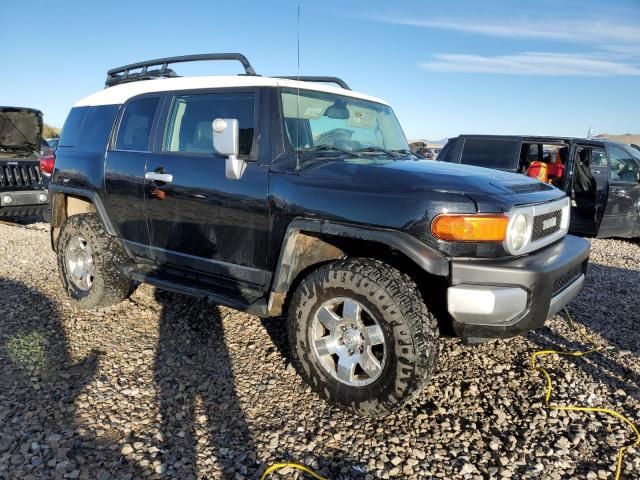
90	195
421	254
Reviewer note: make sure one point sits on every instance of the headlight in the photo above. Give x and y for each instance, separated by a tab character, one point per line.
517	232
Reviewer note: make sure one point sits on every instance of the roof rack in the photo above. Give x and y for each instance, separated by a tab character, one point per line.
123	74
336	80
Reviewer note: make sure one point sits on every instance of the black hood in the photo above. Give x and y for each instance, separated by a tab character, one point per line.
429	175
20	128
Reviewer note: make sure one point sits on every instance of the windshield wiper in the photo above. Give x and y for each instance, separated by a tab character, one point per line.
328	148
375	149
405	151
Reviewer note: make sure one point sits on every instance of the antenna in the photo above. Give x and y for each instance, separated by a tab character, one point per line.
298	99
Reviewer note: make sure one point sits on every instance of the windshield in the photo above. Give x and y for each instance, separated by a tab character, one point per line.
316	120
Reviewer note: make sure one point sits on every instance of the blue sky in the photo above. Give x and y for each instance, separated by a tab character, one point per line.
536	67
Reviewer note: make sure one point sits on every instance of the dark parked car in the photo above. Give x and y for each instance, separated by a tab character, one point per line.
602	177
291	197
23	186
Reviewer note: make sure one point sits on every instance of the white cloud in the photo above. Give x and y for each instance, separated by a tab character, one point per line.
531	63
584	31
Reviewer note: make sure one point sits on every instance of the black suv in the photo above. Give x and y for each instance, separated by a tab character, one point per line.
23	186
601	176
291	197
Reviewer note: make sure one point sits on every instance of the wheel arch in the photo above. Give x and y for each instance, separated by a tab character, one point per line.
69	201
308	244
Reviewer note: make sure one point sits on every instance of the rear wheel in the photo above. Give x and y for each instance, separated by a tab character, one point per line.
88	262
362	336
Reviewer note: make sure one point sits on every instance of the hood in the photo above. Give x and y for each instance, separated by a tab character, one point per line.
429	175
20	128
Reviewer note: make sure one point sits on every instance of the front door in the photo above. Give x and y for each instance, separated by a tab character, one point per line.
124	173
588	188
198	219
623	204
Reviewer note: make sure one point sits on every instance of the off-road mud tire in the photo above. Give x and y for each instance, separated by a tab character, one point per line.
410	330
109	286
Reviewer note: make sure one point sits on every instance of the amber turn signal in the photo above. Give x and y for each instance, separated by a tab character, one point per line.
470	228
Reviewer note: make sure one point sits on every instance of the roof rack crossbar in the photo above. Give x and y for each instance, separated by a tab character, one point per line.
123	74
321	79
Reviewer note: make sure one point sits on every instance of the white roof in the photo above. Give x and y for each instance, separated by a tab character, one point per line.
119	94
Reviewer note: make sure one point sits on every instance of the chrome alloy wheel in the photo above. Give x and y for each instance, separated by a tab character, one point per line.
79	260
348	341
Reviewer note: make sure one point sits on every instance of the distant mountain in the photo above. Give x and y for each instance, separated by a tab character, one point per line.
626	138
430	142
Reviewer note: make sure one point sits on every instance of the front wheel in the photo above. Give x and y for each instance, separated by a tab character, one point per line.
89	261
362	336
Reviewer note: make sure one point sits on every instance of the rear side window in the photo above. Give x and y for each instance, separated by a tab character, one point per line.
189	128
72	125
135	126
490	153
96	128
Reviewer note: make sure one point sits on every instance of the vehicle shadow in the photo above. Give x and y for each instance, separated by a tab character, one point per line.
202	419
607	308
40	435
608	305
601	366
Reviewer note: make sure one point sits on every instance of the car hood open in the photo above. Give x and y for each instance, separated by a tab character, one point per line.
20	128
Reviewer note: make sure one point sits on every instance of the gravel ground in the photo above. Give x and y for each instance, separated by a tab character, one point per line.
164	386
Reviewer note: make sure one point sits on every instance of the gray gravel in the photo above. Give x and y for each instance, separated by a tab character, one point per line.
164	386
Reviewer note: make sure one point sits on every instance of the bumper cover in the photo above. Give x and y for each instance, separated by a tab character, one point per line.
501	298
21	198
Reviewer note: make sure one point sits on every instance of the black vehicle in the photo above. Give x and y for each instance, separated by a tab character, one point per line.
291	197
23	186
601	176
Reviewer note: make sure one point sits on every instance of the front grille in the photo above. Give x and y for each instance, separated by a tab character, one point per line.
19	175
539	231
566	278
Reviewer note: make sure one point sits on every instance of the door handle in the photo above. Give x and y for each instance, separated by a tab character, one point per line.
159	177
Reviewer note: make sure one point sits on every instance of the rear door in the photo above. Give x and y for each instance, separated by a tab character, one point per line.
623	203
125	169
198	219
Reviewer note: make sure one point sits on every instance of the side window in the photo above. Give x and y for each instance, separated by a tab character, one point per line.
96	128
623	167
189	127
598	159
490	153
135	125
72	125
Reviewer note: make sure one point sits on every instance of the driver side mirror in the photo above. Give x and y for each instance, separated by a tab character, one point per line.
226	142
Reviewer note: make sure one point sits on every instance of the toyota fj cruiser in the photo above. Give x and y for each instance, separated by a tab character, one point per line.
288	196
23	186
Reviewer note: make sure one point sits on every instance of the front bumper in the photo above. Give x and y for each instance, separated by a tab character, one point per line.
22	198
498	298
24	202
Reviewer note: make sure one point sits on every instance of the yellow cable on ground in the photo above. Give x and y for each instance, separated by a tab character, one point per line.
597	348
295	466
